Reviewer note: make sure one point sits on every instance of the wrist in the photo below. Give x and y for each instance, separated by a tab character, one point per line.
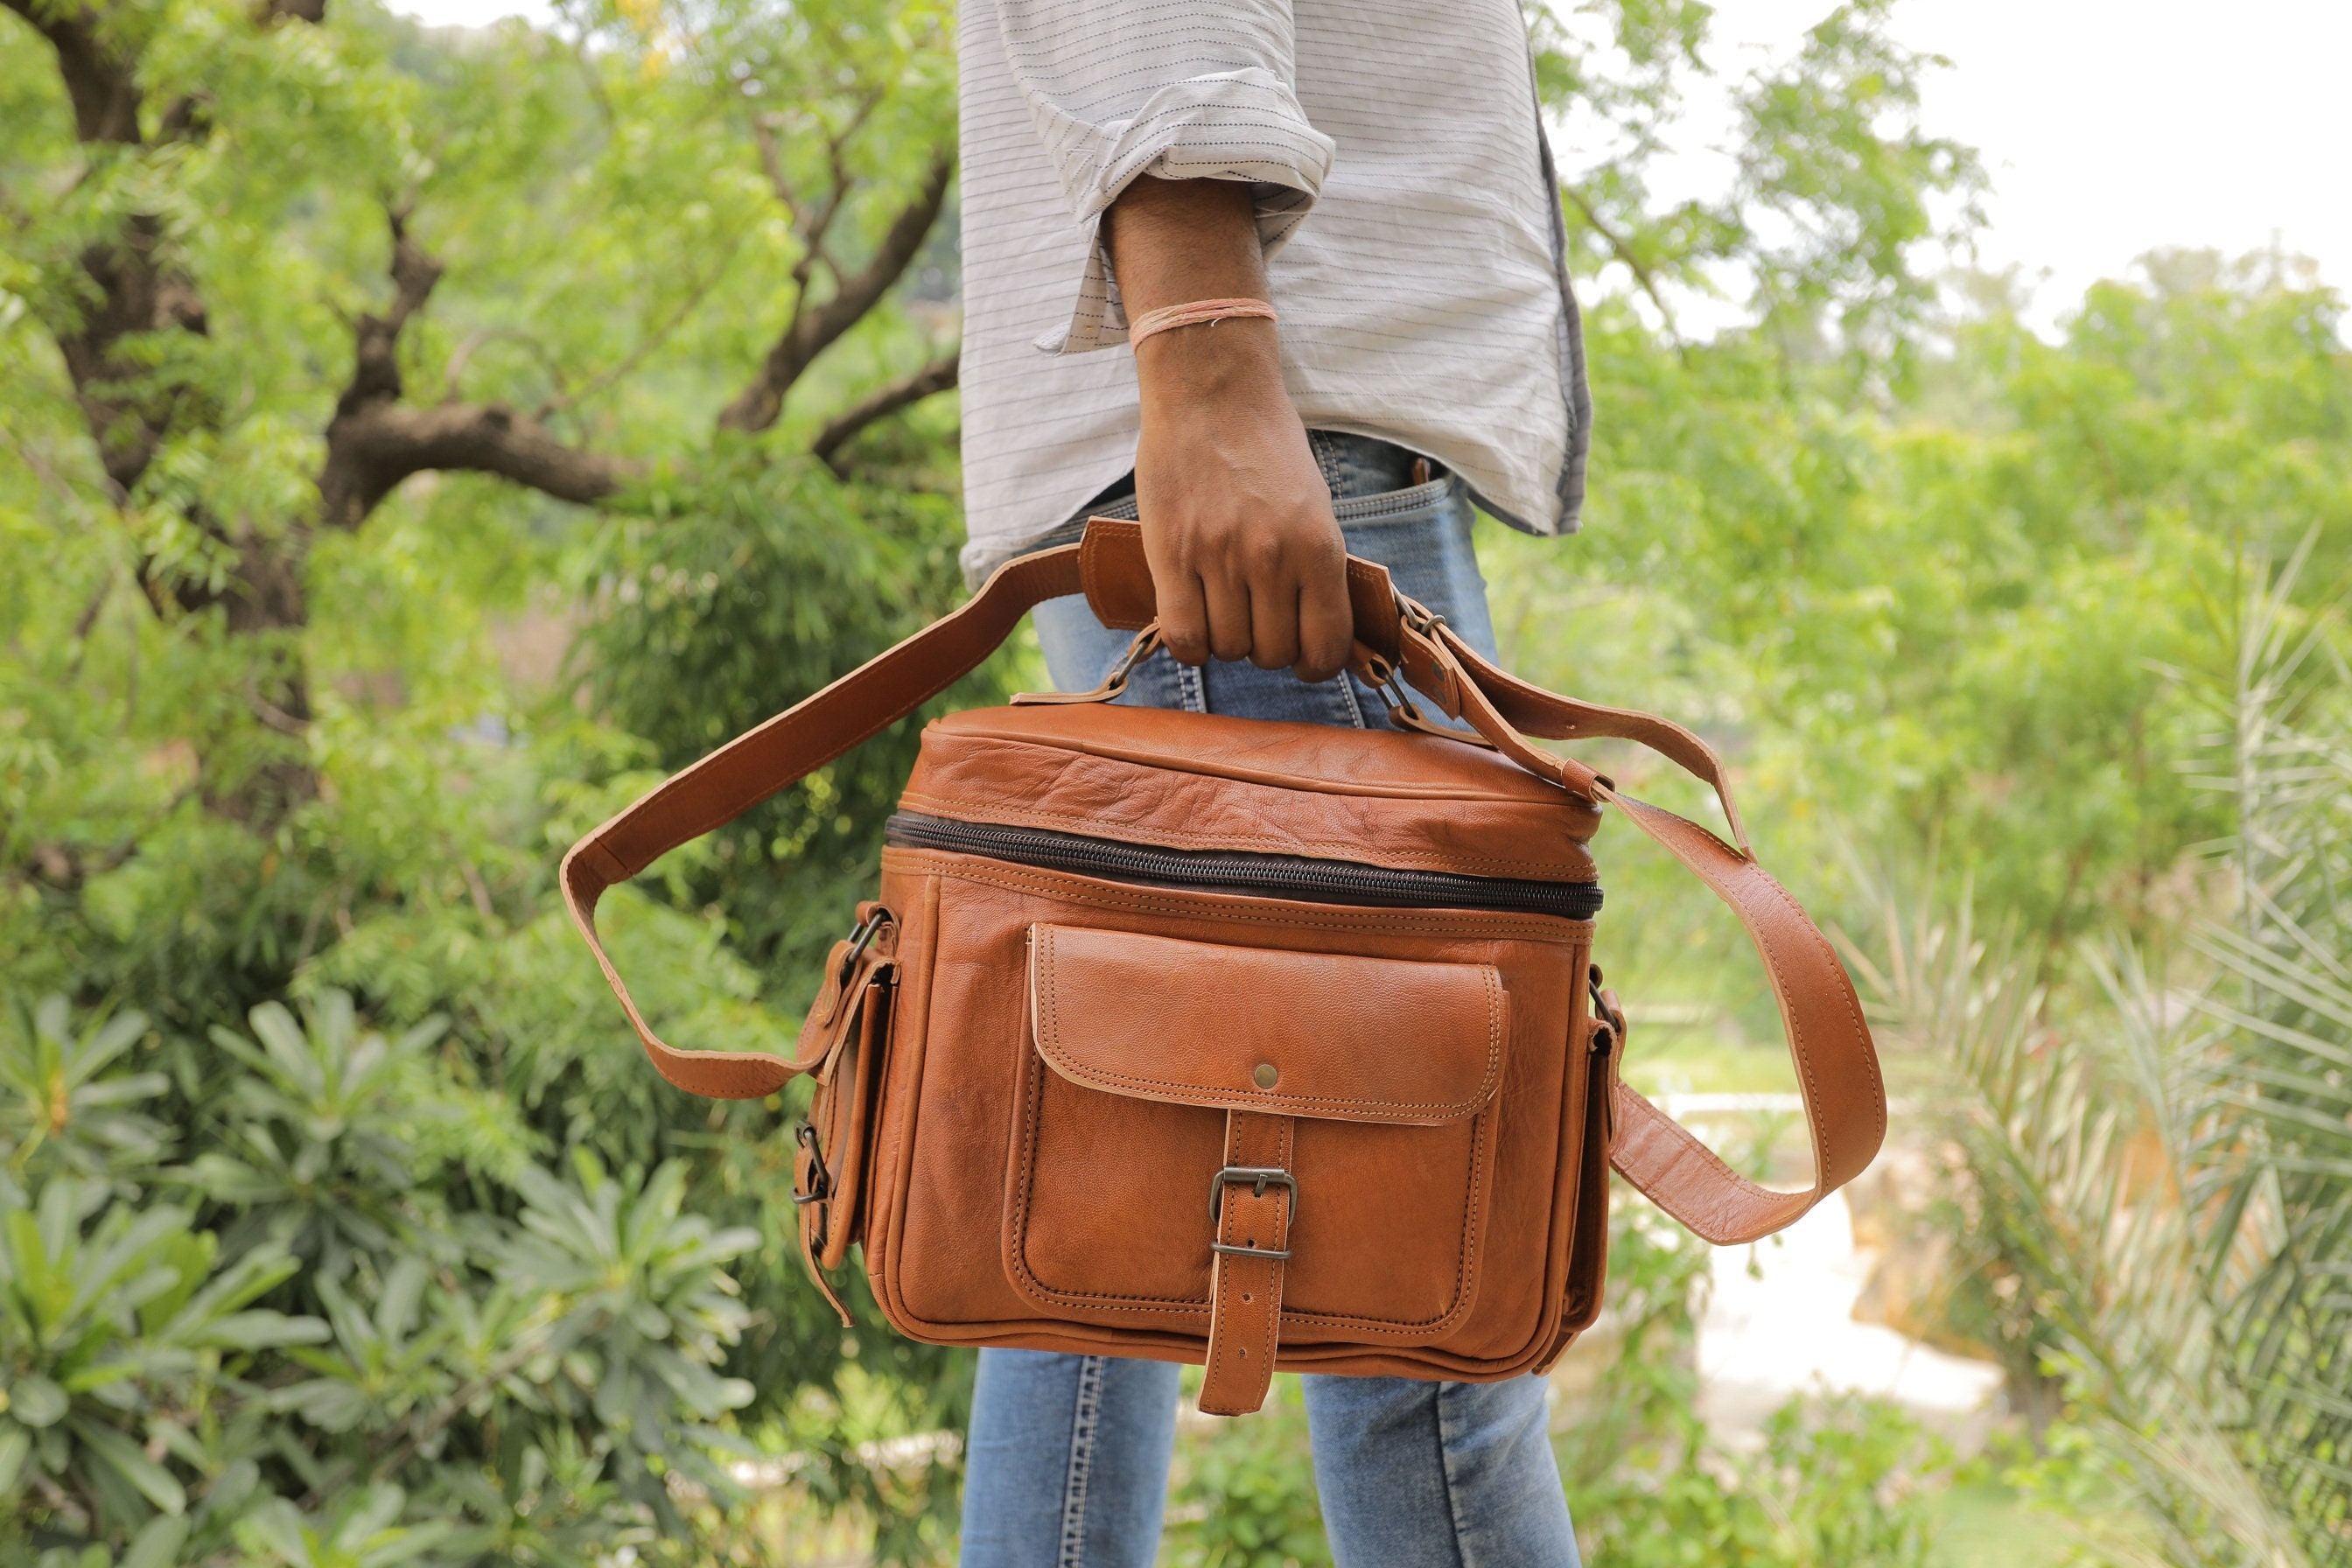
1222	363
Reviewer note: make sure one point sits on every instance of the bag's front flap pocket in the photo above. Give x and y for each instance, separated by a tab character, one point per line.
1318	1034
1145	1045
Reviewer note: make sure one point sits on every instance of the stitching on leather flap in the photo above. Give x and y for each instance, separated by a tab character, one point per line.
1069	1056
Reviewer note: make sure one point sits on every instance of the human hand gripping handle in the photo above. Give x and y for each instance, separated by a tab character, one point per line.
1247	557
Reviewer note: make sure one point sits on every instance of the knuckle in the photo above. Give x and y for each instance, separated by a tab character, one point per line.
1263	551
1185	637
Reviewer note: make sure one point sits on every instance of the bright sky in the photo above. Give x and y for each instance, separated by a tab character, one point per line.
2114	127
2109	127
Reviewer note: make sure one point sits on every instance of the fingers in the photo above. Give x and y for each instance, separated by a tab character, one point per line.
1275	596
1327	622
1274	625
1183	614
1246	559
1228	610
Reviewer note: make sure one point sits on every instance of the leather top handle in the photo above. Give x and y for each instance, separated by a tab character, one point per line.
1829	1042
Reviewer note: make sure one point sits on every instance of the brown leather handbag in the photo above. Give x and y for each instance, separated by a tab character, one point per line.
1220	1040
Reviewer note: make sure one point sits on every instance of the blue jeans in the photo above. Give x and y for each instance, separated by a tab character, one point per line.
1068	1465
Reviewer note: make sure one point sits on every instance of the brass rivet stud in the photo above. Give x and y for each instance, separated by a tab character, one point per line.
1266	1074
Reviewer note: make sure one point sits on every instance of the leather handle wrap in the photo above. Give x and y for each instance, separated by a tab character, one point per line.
1837	1065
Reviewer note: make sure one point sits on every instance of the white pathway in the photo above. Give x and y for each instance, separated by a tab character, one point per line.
1764	1339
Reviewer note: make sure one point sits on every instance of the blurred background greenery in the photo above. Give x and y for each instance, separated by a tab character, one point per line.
412	443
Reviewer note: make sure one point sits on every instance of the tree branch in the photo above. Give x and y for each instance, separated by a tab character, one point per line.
763	136
375	368
814	329
137	289
370	451
1623	250
815	225
935	377
103	85
375	440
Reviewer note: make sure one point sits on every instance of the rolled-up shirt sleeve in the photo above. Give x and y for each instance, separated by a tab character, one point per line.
1182	90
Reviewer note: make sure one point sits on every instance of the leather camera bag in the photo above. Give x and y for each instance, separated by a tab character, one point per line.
1249	1044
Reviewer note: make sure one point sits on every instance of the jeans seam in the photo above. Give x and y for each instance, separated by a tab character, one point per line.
1084	1422
1347	695
1326	452
1389	506
1445	1471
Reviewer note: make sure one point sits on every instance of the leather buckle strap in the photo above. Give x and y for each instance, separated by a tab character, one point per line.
1255	1199
819	1181
811	1191
1829	1040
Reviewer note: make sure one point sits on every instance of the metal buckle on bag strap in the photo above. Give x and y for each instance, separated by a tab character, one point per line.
861	937
1260	1177
1610	1018
1416	616
1386	683
1386	678
820	1179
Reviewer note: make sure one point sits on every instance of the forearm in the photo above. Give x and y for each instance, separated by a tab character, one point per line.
1175	241
1245	557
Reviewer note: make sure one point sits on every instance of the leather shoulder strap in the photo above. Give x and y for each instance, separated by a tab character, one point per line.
746	771
1829	1040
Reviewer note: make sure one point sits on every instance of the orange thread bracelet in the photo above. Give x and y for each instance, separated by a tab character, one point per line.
1152	322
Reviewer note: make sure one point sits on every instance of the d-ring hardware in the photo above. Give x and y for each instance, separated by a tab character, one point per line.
820	1179
860	939
1610	1024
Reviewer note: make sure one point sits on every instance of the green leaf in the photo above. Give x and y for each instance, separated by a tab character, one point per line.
35	1401
259	1330
126	1458
157	1545
15	1443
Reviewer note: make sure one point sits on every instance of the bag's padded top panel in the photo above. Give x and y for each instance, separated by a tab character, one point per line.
1322	1035
1205	780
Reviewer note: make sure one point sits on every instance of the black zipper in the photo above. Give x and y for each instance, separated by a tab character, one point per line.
1299	877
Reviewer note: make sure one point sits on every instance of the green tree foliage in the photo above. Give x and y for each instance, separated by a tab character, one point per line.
1916	567
1246	1498
342	1223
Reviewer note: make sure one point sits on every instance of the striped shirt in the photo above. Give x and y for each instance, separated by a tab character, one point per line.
1405	200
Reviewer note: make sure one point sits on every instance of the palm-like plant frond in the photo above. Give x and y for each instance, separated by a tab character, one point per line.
2170	1178
2103	1252
2281	1247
